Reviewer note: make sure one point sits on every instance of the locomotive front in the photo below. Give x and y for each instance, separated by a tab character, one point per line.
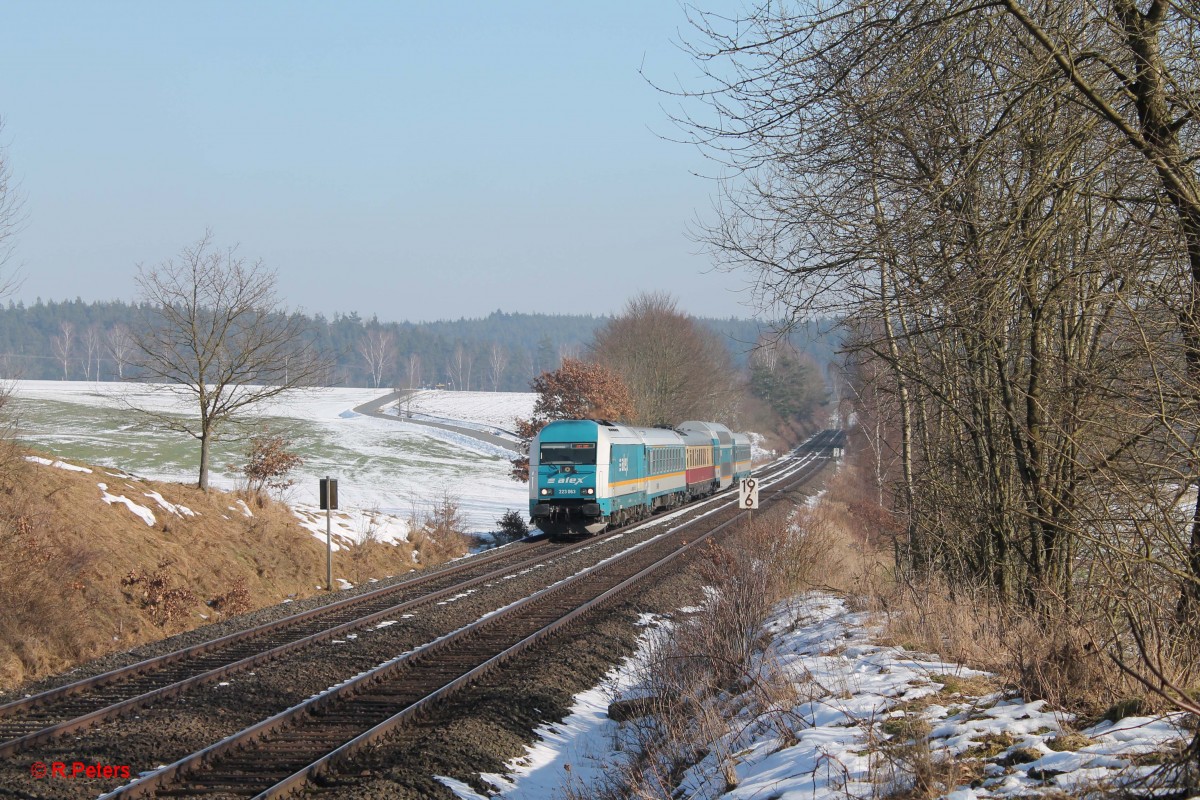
568	465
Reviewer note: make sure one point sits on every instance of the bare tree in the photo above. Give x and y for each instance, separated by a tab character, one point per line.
92	348
120	347
378	348
219	338
11	217
1001	202
462	362
64	347
414	370
497	361
674	369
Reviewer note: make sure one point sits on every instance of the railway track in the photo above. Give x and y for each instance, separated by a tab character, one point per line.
280	755
80	705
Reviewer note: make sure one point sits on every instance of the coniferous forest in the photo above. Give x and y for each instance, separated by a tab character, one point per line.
78	340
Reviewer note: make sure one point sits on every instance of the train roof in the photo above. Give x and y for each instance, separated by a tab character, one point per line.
715	430
692	432
569	430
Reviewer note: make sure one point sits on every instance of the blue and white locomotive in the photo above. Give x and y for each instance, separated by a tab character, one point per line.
585	475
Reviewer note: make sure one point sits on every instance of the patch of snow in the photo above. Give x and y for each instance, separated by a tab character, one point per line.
758	453
460	789
56	464
848	685
177	510
146	514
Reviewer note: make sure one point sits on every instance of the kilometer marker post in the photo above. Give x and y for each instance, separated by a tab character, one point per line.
748	496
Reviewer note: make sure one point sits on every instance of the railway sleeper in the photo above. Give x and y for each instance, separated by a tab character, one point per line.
290	744
199	791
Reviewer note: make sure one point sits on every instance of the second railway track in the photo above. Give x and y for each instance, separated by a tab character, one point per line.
280	755
499	568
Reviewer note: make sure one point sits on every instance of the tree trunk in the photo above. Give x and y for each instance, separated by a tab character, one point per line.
204	440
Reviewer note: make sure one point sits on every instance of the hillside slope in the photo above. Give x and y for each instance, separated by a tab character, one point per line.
98	561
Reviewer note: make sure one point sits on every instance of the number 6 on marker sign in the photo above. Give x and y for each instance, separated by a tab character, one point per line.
748	493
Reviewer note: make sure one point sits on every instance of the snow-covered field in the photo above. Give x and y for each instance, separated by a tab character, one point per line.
485	410
385	468
849	689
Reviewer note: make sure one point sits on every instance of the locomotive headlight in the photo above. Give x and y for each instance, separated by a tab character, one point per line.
589	491
545	492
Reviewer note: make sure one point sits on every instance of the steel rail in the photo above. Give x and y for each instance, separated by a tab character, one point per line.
110	711
300	779
103	679
343	692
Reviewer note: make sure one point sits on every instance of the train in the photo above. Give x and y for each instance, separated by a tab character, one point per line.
586	475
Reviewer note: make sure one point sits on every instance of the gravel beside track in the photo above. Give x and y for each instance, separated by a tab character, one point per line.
478	729
491	723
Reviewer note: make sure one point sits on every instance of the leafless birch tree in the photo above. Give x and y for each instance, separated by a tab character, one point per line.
92	349
120	347
378	348
64	347
497	361
462	364
414	370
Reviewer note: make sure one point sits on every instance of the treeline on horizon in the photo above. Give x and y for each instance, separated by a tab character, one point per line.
78	340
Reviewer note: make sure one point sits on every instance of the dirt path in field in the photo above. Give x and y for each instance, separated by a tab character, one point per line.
372	409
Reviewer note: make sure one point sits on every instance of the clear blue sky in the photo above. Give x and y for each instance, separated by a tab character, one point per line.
408	160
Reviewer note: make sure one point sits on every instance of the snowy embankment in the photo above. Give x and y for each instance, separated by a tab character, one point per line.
861	719
388	469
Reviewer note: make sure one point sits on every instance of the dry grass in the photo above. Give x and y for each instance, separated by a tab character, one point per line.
910	770
844	544
1044	658
438	533
80	578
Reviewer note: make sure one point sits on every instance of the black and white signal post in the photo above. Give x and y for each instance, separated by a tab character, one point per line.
329	502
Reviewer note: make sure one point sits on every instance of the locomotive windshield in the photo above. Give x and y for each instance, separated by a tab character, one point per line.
568	453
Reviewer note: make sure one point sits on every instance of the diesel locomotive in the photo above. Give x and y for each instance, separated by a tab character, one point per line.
585	475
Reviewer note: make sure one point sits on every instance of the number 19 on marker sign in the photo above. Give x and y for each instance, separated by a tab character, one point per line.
748	493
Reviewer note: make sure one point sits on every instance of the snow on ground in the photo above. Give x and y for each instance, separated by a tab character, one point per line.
146	515
387	469
174	508
56	464
853	691
758	453
486	410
